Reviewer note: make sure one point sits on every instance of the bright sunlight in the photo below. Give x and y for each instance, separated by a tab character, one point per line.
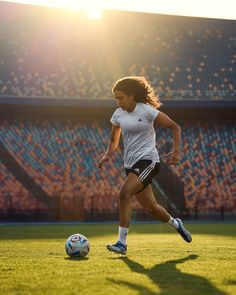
201	8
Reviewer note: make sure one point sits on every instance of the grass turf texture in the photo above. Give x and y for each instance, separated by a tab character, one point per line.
33	261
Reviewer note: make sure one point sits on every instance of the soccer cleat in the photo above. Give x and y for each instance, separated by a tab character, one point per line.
118	248
185	234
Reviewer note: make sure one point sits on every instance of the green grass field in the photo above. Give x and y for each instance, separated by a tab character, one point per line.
33	261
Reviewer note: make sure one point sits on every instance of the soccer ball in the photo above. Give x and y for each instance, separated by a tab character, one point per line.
77	246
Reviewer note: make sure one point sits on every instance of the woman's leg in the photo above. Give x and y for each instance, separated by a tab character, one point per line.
131	185
149	203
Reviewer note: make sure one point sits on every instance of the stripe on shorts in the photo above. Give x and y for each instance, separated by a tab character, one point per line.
146	172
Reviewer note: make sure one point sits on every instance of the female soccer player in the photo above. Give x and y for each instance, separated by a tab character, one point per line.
136	118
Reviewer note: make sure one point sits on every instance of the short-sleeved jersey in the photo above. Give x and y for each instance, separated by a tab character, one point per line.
138	133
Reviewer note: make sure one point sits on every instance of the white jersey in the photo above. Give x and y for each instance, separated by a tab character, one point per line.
138	133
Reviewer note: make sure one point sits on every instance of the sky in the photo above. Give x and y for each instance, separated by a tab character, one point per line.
225	9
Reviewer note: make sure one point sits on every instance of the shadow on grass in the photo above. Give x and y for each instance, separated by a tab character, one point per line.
76	259
169	279
230	282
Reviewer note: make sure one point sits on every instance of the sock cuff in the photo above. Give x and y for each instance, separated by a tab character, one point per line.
172	222
123	229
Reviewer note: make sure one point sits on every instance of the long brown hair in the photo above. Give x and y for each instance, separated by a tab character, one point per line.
138	87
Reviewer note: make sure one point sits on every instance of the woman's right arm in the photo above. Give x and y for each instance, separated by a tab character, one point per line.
112	146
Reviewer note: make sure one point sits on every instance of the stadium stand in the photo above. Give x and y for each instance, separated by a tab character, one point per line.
61	157
207	165
188	58
16	200
48	164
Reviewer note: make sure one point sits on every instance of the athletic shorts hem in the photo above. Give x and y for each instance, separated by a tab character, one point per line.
145	170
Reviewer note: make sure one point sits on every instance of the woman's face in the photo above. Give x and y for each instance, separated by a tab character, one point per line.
126	102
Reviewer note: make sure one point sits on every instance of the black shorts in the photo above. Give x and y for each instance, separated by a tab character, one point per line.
146	170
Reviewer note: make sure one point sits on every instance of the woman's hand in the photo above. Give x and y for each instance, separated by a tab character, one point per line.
104	159
173	157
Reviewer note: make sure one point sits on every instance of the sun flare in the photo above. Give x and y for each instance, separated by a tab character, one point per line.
93	8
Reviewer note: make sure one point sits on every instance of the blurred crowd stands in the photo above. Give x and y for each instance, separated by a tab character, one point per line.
61	157
207	165
47	54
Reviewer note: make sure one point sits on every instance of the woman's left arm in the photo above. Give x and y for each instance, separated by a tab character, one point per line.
163	120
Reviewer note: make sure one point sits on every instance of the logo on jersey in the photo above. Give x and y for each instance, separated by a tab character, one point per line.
140	120
136	170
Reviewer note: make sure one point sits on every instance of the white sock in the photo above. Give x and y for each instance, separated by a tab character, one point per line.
123	231
172	222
